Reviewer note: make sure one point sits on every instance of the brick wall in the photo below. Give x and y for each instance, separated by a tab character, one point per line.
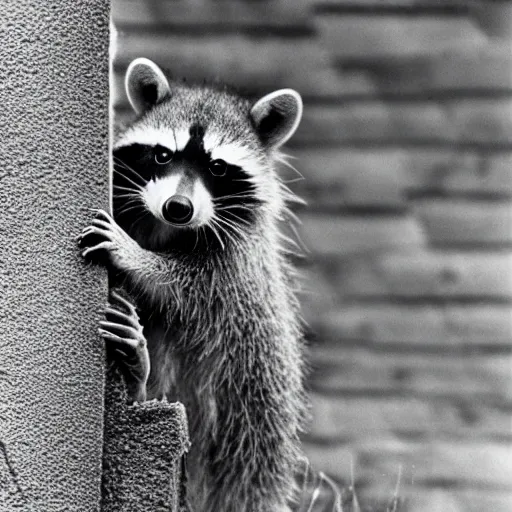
405	147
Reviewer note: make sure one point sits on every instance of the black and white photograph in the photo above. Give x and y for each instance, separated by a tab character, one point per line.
256	256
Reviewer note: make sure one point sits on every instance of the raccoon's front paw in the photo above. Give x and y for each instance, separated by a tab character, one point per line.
105	235
123	331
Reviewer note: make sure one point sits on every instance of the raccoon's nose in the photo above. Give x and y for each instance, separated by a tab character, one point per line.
178	210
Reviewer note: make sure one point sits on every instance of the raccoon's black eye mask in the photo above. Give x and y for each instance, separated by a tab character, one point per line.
153	162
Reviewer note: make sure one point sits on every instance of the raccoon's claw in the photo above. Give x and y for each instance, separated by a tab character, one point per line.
104	234
123	331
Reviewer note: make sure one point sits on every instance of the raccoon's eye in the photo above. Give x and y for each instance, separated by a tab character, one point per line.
162	155
218	167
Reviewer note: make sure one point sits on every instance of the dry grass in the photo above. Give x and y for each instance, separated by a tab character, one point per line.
321	494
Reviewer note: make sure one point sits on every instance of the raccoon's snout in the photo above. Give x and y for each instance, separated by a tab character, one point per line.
178	210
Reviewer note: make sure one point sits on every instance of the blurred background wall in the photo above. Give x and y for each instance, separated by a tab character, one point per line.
405	148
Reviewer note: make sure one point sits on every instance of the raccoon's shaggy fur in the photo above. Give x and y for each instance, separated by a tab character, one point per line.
220	316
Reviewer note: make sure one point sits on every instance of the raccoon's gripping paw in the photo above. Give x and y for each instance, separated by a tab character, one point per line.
104	235
122	330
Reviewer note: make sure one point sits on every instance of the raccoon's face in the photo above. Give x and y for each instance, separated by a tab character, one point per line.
195	171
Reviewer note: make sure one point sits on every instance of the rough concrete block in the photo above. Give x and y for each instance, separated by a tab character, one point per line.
143	455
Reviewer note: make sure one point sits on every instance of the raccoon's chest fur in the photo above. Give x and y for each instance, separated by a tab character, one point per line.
230	315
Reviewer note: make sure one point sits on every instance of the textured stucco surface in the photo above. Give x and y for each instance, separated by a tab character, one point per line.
144	445
53	164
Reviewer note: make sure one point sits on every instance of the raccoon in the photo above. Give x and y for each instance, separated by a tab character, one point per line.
195	239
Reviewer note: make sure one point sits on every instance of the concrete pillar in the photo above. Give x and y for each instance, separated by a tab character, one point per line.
53	164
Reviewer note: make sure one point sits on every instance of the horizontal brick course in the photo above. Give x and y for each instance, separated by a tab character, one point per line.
227	13
370	417
388	178
445	327
330	236
376	122
368	37
486	121
338	369
452	222
427	274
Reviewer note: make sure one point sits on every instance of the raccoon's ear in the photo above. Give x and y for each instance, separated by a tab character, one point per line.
276	116
145	85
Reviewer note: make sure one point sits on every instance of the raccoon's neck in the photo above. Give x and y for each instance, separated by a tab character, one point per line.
228	291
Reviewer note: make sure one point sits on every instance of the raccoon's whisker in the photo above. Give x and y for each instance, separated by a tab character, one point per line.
236	194
127	189
234	207
128	203
229	222
233	240
196	242
129	208
231	206
123	164
197	239
233	227
200	233
290	196
223	199
232	196
134	174
140	218
292	217
218	223
228	211
232	215
203	231
122	196
128	179
283	159
232	201
241	203
212	225
293	180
